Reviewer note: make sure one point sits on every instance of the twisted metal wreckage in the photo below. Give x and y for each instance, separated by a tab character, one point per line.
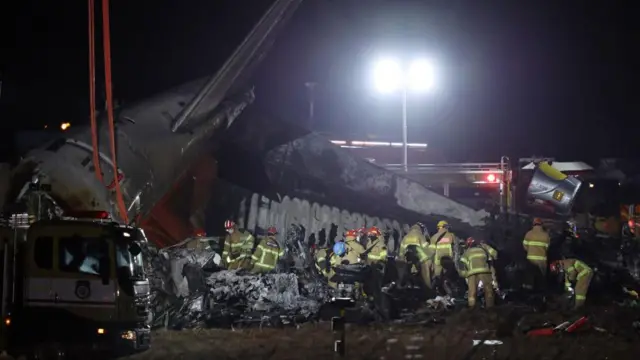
299	181
169	142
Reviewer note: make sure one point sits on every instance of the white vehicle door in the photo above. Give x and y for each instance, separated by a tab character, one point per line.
40	260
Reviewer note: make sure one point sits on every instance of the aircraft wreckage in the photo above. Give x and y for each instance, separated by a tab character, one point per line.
291	178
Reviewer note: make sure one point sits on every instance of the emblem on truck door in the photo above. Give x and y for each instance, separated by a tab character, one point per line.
83	289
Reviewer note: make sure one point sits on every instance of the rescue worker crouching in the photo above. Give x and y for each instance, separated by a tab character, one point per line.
412	252
238	245
376	249
267	253
322	262
478	268
352	243
441	246
536	243
350	254
341	254
574	271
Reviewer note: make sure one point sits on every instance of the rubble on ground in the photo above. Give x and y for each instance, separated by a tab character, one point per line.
190	290
465	335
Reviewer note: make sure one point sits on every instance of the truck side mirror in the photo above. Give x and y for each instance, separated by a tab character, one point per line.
135	249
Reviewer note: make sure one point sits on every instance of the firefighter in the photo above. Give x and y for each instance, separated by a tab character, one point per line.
323	263
267	253
238	245
574	271
412	252
352	243
536	243
440	246
344	255
478	269
377	250
362	236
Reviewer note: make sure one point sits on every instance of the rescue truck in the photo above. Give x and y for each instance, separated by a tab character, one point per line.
73	285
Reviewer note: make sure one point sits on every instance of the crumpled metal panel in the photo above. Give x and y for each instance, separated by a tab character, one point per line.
290	151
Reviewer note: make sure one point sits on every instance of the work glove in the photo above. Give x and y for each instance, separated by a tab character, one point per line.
570	290
495	284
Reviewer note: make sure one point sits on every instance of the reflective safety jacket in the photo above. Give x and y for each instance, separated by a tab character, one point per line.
323	266
536	242
416	238
441	245
266	255
354	246
574	270
476	260
377	250
350	257
237	246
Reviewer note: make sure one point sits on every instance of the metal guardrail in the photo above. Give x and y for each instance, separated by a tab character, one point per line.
459	168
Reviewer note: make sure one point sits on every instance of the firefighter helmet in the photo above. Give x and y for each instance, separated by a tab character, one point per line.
229	224
351	233
556	266
470	241
374	231
537	221
442	224
339	248
272	230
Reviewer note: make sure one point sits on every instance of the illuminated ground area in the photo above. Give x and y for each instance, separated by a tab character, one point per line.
614	339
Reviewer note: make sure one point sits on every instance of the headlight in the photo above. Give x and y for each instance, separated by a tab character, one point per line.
128	335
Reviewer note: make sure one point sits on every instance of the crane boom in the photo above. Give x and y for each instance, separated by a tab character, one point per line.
158	139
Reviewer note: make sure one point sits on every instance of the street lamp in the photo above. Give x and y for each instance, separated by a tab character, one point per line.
391	76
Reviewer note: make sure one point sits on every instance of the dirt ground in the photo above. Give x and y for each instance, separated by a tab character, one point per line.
611	336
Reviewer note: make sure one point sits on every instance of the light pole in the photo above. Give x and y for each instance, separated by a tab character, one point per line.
311	86
391	76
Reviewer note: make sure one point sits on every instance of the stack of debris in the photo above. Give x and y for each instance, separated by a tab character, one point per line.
190	290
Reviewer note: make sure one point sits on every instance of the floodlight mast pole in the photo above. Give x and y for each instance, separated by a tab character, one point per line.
405	144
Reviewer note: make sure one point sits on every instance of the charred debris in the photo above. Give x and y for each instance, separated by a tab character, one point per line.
190	290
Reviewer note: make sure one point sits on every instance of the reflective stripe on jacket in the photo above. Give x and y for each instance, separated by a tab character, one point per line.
536	243
237	246
416	238
322	265
443	247
377	250
476	261
574	270
266	255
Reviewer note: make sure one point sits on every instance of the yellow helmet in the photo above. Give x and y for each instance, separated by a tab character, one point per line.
442	224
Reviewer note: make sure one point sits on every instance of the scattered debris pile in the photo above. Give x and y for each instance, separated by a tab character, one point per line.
190	290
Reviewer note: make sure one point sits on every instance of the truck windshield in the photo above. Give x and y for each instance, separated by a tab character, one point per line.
127	261
83	255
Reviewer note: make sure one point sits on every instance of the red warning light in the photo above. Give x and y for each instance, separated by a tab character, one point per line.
103	215
491	178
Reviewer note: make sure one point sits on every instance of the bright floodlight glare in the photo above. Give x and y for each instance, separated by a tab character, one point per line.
420	77
388	75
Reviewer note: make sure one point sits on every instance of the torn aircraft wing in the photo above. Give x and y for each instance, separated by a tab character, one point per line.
285	147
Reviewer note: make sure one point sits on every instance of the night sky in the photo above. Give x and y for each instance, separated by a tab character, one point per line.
517	78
